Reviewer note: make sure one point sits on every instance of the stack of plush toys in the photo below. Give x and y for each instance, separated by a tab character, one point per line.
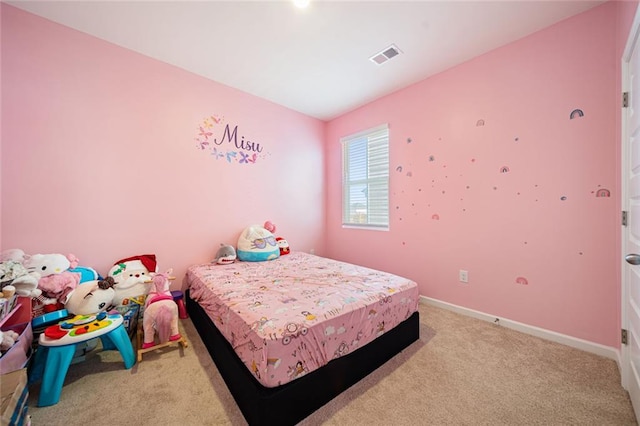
55	282
255	244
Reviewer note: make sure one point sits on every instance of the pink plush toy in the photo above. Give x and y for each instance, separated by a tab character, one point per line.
55	279
160	313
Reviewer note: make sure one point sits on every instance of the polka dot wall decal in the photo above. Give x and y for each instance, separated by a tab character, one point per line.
563	198
479	123
516	139
522	281
603	193
495	188
409	140
435	217
504	169
432	158
473	160
399	169
409	174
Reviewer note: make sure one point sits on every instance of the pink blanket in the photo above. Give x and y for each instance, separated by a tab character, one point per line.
290	316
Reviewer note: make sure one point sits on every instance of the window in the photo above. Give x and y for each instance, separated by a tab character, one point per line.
365	179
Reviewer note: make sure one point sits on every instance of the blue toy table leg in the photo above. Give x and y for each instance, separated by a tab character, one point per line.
57	361
119	339
37	368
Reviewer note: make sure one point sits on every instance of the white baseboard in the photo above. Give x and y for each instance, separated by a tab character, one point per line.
595	348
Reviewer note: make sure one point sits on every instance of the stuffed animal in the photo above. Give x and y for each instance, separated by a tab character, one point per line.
283	245
17	255
226	254
130	275
55	279
91	297
160	313
256	244
8	338
86	273
15	274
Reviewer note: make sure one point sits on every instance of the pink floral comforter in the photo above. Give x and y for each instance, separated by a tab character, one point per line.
290	316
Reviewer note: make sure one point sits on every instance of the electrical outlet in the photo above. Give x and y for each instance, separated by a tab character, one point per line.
464	276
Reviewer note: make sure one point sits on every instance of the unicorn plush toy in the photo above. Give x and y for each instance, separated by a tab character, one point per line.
160	313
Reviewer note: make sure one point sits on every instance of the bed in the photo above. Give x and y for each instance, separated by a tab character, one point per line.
289	334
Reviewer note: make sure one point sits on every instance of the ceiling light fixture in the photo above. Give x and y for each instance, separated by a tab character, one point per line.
385	54
301	3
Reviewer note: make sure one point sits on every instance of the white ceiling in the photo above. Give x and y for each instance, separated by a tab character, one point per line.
313	60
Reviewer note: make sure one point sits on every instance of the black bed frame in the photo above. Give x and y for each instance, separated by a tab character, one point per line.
292	402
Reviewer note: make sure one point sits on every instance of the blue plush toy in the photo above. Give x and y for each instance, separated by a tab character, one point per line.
256	244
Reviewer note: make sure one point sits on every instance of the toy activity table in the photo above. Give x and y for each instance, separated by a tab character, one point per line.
58	344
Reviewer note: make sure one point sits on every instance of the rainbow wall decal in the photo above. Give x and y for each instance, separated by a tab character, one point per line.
576	113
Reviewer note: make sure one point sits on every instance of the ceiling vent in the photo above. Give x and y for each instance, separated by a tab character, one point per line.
385	55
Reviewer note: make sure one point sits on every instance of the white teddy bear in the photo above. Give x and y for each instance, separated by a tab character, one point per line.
8	339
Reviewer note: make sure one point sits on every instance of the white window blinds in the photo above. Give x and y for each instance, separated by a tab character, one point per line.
365	179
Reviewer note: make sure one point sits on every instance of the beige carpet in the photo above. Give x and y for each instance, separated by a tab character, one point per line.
462	372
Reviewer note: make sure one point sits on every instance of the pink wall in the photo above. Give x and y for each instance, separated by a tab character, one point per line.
92	134
99	156
541	220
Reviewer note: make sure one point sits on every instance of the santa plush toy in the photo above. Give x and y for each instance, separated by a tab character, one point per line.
130	275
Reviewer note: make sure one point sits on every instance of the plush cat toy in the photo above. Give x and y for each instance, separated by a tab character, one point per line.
256	244
55	279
